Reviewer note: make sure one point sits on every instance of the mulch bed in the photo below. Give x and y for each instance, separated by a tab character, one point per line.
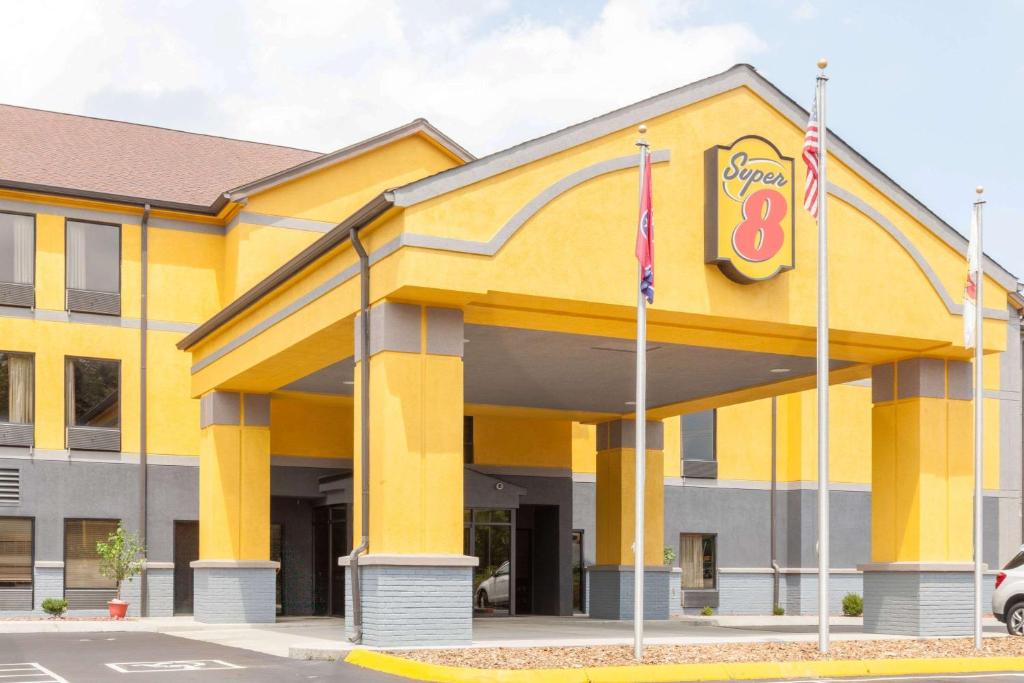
66	619
620	655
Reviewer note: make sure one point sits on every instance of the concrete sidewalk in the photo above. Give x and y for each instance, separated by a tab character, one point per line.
323	637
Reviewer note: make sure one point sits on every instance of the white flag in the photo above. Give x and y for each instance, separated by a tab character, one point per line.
970	286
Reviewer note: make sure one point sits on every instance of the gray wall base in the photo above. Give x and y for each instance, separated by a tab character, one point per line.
611	592
675	592
234	595
926	603
49	583
412	605
160	592
751	592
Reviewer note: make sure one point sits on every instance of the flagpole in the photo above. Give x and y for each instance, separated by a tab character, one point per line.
979	306
640	445
822	366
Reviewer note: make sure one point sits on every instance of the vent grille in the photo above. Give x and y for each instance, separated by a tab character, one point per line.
94	439
10	487
85	301
700	469
12	434
12	294
19	599
89	598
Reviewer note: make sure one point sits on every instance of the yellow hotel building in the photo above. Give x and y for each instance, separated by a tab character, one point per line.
183	349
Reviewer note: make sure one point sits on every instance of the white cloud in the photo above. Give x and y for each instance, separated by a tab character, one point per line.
322	74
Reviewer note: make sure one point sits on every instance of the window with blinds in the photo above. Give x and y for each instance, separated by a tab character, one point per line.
15	552
17	260
697	560
93	267
81	563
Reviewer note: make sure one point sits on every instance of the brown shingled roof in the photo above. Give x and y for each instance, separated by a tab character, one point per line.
79	155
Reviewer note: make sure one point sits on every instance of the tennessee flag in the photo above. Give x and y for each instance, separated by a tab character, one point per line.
645	231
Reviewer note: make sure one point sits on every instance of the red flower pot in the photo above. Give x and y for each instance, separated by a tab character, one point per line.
118	608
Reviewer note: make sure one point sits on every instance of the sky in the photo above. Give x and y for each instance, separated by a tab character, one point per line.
931	92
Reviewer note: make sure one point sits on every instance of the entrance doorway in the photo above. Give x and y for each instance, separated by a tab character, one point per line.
487	535
330	542
186	551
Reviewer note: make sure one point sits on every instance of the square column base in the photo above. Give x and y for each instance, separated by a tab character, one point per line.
611	592
922	600
410	600
235	591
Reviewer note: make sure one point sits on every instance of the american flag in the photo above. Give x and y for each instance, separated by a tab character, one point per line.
645	232
810	155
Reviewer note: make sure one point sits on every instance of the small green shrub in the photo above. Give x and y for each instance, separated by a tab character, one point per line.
707	611
853	605
778	610
55	607
670	555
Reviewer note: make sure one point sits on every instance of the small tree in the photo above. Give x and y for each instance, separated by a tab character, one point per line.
121	557
670	555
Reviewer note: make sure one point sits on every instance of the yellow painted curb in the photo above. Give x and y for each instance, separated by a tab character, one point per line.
670	673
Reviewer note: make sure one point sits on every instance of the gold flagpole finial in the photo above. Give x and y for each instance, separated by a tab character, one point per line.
642	128
822	63
979	189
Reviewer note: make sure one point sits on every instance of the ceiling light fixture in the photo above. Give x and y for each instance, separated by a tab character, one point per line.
630	403
349	381
779	371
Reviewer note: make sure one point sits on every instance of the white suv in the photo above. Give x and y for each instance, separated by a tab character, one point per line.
1008	597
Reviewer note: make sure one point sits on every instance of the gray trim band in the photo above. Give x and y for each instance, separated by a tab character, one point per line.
413	560
115	458
235	564
272	221
49	315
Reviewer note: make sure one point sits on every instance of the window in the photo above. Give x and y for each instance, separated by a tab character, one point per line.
17	259
467	440
699	435
16	387
698	440
93	392
93	267
81	562
15	555
697	558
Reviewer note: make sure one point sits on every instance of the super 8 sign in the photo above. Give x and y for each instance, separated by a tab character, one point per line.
748	209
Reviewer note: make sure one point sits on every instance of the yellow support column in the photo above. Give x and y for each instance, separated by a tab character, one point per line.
234	577
920	580
414	579
611	579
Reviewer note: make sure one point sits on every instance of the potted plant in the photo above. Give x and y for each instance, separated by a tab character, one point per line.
121	558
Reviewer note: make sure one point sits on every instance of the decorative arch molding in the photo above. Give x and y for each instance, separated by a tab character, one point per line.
885	224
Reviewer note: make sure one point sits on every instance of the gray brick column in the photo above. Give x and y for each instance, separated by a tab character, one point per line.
413	599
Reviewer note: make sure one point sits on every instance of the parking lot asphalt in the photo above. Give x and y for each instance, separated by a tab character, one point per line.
143	657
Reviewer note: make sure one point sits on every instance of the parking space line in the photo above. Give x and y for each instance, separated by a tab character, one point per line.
18	672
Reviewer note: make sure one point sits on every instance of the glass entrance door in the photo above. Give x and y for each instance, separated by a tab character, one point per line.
487	535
